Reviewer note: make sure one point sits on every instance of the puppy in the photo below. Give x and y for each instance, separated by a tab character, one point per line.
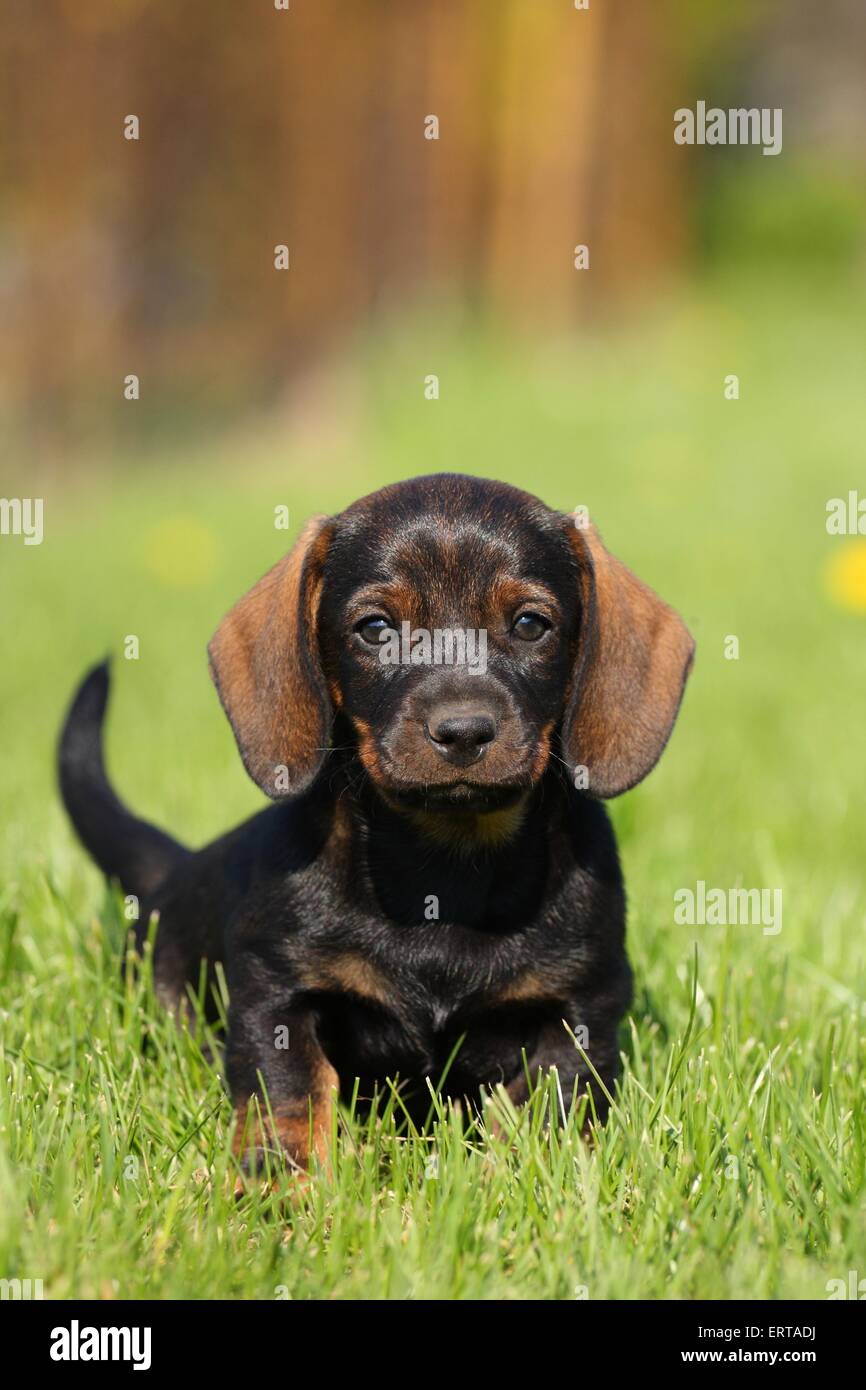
438	879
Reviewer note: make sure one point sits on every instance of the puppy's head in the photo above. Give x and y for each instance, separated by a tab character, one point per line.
462	633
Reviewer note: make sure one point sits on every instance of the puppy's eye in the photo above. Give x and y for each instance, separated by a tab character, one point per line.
529	627
370	628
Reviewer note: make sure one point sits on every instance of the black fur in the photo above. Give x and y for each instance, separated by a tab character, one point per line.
137	854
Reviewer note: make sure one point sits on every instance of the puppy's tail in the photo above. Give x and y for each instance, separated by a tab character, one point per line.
124	847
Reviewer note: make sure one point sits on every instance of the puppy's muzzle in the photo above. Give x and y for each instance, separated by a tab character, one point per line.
460	733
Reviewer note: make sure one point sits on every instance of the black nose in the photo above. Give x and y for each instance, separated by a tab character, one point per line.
461	735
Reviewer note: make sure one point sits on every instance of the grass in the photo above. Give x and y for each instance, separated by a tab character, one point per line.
733	1162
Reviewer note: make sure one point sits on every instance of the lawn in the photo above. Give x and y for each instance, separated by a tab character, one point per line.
733	1162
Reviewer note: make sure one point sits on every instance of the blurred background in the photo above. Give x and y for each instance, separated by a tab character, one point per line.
454	258
306	128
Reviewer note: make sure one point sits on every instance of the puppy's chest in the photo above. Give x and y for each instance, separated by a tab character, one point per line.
428	975
432	942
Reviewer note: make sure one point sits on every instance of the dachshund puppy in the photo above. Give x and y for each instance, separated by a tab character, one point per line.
438	878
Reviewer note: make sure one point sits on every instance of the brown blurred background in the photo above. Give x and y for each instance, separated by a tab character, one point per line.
261	127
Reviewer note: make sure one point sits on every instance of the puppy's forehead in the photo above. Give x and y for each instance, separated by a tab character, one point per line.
449	531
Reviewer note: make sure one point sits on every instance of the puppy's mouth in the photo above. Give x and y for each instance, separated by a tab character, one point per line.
472	797
413	775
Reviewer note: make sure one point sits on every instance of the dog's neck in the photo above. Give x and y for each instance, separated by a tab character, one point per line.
485	871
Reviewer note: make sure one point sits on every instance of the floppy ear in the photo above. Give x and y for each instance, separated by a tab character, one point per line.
265	664
633	658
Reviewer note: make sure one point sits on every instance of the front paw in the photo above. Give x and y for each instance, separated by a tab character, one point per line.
290	1141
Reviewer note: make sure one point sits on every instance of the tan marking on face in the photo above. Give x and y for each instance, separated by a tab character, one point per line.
398	601
508	595
336	693
367	750
542	755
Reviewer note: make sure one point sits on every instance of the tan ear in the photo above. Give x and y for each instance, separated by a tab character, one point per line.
264	660
633	659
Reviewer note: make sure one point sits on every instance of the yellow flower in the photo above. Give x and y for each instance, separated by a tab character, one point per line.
845	575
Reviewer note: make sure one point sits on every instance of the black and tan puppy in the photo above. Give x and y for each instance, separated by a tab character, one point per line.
438	864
